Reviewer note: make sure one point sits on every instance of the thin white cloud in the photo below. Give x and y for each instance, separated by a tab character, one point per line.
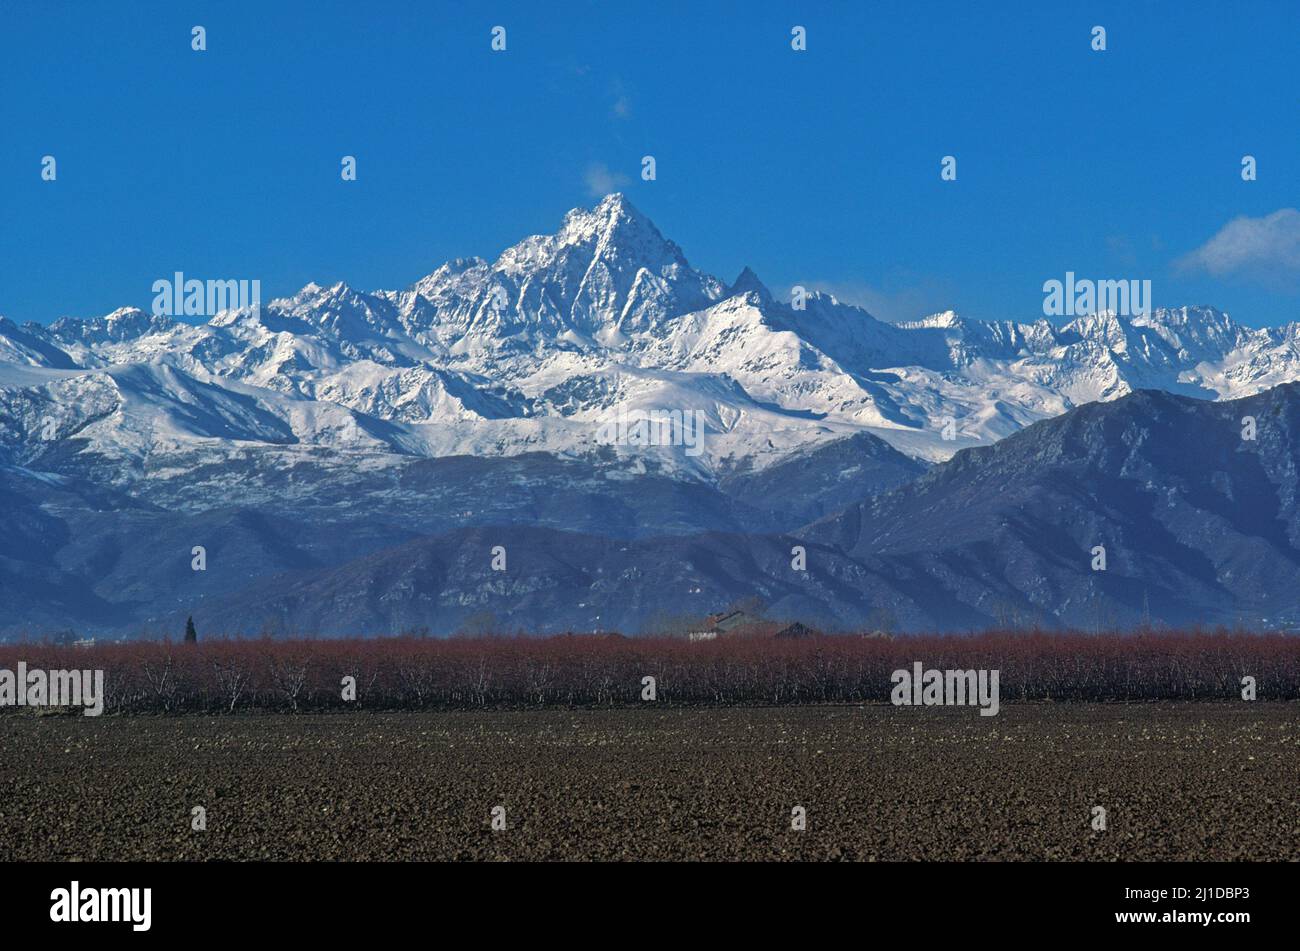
621	107
601	180
1266	248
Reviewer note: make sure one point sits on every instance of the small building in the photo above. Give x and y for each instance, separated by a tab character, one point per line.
728	621
715	625
796	631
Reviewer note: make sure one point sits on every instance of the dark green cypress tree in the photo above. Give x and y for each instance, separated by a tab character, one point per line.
191	635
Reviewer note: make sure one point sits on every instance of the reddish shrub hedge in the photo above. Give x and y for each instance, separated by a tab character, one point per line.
602	670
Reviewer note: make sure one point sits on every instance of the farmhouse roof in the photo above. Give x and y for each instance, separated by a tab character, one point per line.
795	630
729	620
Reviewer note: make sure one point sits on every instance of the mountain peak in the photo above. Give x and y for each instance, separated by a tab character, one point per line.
125	323
947	320
616	201
614	221
125	313
314	295
1186	315
748	281
608	263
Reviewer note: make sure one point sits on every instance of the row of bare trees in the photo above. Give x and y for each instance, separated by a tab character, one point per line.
225	676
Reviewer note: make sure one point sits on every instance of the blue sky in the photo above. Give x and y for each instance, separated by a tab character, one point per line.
820	167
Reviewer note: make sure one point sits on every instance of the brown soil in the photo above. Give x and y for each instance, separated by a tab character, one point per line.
1177	781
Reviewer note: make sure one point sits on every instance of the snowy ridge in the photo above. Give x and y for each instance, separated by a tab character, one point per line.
563	332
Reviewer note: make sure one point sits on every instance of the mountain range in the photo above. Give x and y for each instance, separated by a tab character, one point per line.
347	460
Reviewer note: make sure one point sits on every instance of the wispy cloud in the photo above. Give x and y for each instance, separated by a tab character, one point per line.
601	180
622	105
1265	249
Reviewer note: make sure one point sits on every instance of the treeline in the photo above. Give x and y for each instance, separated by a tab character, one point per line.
224	676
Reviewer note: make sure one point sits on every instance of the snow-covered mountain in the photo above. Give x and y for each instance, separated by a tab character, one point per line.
1200	526
345	459
604	319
